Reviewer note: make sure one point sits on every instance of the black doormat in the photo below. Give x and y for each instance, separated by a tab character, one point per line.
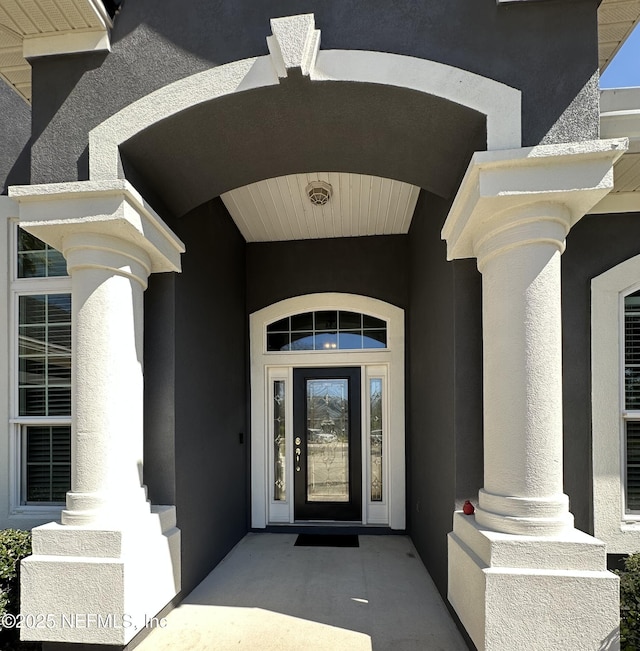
327	540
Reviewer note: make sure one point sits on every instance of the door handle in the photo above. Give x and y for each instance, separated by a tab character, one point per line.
298	452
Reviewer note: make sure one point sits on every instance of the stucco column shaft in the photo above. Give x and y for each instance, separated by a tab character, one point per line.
109	276
519	257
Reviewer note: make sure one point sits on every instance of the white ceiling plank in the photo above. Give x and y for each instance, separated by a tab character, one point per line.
376	190
300	226
270	218
369	202
231	204
356	187
385	197
260	221
398	209
345	205
285	207
282	190
411	208
394	196
333	178
251	220
305	219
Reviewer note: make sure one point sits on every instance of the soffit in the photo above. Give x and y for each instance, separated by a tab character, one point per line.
279	209
626	174
620	118
25	20
616	20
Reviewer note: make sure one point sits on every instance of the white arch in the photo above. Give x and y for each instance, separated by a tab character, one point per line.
295	45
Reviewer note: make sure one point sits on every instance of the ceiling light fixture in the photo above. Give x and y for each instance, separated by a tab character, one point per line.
319	192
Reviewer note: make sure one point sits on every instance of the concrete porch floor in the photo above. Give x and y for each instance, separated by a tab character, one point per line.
267	594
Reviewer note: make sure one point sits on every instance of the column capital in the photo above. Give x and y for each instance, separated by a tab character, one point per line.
58	211
548	184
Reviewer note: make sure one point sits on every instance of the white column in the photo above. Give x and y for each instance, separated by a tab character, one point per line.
109	276
114	555
520	575
518	254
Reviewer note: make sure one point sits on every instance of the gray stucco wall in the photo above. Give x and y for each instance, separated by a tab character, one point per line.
160	388
15	126
594	245
370	266
444	445
548	50
195	370
468	380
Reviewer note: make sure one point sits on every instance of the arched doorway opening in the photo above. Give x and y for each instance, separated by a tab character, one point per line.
327	398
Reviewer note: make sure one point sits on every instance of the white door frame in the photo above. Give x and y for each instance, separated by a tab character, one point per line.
386	364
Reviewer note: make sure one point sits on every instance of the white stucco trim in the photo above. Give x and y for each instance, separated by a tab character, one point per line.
577	175
499	102
621	532
295	45
78	206
371	361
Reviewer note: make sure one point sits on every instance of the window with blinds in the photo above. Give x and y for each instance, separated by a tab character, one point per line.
42	389
632	401
47	451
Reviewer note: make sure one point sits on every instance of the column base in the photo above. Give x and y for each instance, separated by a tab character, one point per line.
542	517
521	592
101	510
99	585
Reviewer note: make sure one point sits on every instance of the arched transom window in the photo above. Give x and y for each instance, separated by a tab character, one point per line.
327	330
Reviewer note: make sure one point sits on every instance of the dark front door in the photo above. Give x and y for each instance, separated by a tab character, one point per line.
327	453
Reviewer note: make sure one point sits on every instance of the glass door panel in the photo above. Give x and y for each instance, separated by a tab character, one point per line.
327	406
327	431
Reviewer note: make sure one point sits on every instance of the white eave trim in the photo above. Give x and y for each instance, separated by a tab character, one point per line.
620	115
66	43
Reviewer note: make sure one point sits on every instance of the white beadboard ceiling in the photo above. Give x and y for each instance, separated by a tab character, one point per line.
279	208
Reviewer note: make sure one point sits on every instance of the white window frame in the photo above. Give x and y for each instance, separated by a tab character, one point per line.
23	287
386	363
620	530
8	211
